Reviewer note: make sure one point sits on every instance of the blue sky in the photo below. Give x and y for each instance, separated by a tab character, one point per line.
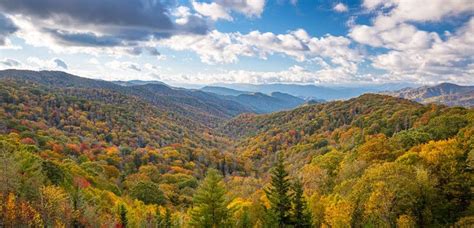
243	41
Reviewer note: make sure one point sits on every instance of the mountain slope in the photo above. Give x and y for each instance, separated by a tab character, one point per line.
445	93
257	102
262	103
205	108
223	91
98	152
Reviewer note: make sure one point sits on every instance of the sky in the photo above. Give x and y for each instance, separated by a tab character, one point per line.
322	42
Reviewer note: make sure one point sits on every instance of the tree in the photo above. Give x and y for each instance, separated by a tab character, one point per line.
55	206
8	168
123	215
279	194
148	192
301	217
245	221
167	220
210	204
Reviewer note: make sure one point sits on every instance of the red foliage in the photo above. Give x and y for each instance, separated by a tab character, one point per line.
292	132
28	141
57	148
81	182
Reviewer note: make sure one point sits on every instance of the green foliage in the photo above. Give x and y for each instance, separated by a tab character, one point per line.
123	215
210	203
148	192
301	217
446	126
279	194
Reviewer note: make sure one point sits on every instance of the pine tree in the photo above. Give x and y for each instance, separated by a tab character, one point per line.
210	205
167	221
301	217
123	215
279	194
158	219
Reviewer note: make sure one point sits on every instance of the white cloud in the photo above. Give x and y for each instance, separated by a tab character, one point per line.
46	64
294	74
221	9
124	65
392	29
217	47
399	37
413	54
420	10
449	60
340	7
212	10
93	61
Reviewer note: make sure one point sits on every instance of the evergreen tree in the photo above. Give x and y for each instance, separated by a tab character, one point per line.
279	194
210	205
123	215
301	217
159	220
167	221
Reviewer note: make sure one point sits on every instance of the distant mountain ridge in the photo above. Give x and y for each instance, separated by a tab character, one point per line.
257	101
445	93
205	107
314	92
223	91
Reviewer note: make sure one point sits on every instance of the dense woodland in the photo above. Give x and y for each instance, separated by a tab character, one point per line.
98	157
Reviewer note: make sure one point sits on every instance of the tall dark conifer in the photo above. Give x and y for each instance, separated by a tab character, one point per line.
279	195
301	217
123	216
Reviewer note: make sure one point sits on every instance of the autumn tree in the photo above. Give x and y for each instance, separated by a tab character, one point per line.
148	192
167	223
210	203
8	167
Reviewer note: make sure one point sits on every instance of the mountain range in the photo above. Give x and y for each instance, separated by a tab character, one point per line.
313	92
444	93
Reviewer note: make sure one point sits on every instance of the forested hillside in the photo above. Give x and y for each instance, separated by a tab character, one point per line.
88	156
203	108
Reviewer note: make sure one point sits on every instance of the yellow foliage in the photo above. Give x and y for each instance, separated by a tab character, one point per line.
406	221
338	212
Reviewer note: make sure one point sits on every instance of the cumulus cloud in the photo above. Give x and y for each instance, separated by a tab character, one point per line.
294	74
108	25
124	65
392	26
46	64
386	34
414	54
449	60
212	10
221	9
420	10
7	27
217	47
340	7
